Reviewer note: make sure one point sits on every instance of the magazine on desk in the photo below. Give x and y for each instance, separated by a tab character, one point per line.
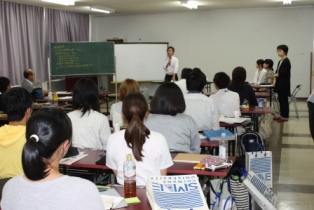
175	193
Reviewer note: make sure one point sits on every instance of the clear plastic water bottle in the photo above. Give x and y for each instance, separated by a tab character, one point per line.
261	103
129	171
223	147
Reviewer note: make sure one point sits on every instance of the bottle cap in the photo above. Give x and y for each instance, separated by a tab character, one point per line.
223	134
129	157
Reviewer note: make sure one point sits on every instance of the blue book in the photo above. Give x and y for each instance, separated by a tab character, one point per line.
216	134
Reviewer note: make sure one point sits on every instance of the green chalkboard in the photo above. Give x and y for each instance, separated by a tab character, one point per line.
81	58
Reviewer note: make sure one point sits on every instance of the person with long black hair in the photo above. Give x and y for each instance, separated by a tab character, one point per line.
48	138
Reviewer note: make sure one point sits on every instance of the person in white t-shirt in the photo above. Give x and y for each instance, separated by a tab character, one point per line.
90	127
171	66
200	107
260	73
126	87
225	100
182	82
148	148
48	138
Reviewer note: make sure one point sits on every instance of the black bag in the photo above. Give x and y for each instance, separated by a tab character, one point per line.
37	93
251	141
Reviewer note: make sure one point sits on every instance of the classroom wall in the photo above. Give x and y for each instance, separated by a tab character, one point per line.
223	39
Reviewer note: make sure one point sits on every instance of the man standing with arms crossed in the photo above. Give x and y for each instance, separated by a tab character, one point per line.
171	65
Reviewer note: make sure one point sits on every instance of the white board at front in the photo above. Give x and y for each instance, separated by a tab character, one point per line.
140	61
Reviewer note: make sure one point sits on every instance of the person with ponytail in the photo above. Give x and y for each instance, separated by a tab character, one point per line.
148	148
48	138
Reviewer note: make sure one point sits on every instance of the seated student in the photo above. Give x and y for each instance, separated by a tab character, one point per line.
90	128
201	108
5	85
148	148
225	100
239	85
268	65
182	82
18	104
28	82
260	73
48	134
167	107
126	87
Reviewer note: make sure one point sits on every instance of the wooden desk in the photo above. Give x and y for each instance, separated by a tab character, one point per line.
255	112
88	162
268	87
140	193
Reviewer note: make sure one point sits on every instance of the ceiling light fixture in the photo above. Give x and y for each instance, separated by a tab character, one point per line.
62	2
189	4
102	9
286	1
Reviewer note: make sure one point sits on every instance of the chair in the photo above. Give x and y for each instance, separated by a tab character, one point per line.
294	99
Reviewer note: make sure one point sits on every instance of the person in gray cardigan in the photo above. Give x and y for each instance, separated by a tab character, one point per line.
167	118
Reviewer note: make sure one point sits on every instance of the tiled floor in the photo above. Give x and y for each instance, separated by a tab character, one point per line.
293	161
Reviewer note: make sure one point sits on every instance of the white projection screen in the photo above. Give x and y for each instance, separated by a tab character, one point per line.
140	61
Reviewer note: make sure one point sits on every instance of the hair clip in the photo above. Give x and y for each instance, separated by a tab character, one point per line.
35	136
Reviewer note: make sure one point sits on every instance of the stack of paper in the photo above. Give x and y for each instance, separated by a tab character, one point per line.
233	120
112	200
70	160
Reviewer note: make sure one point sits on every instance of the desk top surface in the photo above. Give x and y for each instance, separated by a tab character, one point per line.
140	193
176	168
257	110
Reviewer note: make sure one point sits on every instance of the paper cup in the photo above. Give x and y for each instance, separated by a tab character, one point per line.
237	114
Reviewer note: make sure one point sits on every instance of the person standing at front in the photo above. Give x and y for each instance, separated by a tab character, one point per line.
171	66
282	82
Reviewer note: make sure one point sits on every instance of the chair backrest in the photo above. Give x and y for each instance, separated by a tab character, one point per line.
296	90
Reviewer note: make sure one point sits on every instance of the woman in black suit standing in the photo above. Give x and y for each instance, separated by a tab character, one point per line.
282	82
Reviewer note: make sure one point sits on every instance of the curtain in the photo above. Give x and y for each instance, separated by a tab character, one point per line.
25	34
21	40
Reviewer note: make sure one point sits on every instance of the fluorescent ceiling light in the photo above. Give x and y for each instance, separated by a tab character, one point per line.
102	9
62	2
189	4
286	1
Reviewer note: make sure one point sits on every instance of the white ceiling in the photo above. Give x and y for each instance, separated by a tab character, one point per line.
124	7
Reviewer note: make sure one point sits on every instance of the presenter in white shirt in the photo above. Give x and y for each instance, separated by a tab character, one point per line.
260	73
171	66
225	100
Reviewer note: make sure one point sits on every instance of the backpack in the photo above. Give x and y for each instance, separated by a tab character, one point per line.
251	141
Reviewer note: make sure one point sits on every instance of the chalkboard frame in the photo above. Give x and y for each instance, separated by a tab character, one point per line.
110	69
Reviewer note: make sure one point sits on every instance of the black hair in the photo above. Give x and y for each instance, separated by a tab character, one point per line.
27	73
134	110
270	63
52	127
238	77
185	73
4	83
170	47
86	95
284	48
168	100
260	62
16	101
196	81
222	80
